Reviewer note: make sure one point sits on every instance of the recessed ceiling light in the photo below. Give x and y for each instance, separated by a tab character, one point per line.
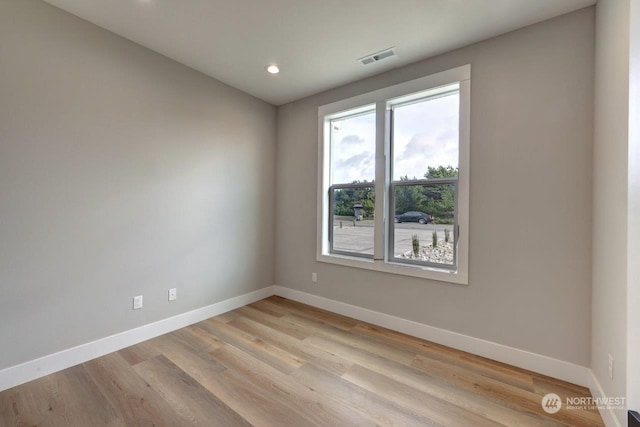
272	69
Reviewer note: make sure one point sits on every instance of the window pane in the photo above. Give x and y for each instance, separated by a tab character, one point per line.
352	220
424	216
425	138
353	149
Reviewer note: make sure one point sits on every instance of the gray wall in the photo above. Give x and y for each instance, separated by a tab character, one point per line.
616	272
121	173
611	124
530	207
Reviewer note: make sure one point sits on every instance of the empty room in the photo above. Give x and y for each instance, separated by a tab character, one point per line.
319	213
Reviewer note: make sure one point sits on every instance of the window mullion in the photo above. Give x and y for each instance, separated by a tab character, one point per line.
382	120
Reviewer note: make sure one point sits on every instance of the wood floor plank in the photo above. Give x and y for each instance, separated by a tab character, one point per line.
272	355
174	348
237	392
316	314
139	353
9	412
422	403
281	363
268	306
362	342
248	312
28	405
227	317
543	385
317	357
504	394
304	400
504	373
428	384
129	394
67	398
201	340
194	403
370	405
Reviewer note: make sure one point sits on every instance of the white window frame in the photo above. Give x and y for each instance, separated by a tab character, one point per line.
383	99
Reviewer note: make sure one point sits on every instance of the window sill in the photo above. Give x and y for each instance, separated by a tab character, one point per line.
421	272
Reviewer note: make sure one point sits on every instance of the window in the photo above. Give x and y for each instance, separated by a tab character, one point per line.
352	193
394	178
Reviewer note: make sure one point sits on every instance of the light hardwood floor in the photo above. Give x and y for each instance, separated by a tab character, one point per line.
280	363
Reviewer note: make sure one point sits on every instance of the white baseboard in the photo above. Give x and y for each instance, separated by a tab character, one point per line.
545	365
19	374
608	415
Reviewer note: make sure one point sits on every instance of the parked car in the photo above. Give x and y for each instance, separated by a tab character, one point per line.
413	216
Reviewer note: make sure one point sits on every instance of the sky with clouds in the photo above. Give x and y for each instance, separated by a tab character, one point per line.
425	134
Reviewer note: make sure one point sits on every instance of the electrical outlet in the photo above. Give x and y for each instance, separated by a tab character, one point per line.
137	302
611	366
314	277
173	294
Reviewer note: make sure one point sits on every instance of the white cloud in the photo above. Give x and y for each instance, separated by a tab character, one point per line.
353	149
357	167
425	134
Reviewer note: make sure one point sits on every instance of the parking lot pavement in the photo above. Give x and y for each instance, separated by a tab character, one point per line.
360	238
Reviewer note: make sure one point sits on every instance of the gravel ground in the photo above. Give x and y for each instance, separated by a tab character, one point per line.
441	254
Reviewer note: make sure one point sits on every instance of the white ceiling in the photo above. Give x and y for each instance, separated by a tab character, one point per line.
315	42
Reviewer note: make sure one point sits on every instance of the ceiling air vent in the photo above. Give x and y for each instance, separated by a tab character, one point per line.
378	56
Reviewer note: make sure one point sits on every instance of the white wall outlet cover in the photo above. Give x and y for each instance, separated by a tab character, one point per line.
173	294
137	302
314	277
